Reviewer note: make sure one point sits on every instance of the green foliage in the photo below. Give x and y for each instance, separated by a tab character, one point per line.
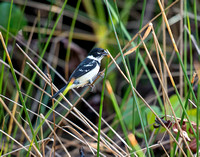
150	117
128	112
110	25
176	105
192	113
147	116
2	148
18	20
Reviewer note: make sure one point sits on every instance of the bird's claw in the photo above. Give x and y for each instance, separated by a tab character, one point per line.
101	74
92	86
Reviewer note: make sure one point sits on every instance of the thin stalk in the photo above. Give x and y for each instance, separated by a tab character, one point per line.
51	109
181	122
6	42
122	106
101	108
197	118
124	62
119	116
70	37
175	89
18	89
46	45
196	22
176	49
139	55
181	48
190	44
185	47
187	79
136	64
138	41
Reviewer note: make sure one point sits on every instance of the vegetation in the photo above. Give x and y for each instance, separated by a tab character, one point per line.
147	103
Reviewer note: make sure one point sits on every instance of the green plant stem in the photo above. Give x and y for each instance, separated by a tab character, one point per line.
101	108
196	22
7	77
125	98
125	65
40	61
136	63
140	58
45	47
6	42
198	115
50	111
119	115
185	47
20	95
190	44
181	122
71	34
187	79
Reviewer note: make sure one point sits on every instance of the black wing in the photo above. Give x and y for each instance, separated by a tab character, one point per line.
84	67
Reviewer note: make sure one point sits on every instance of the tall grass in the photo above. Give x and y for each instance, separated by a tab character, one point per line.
150	76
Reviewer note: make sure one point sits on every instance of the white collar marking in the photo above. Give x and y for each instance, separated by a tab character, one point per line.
94	58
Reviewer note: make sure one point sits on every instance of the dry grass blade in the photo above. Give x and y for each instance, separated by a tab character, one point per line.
25	78
83	118
162	77
163	148
54	119
21	79
164	92
22	147
197	68
193	40
172	81
73	124
76	132
181	47
21	128
80	115
45	78
118	66
144	37
168	27
56	136
192	103
70	120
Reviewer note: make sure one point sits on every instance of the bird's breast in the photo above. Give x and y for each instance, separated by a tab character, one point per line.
89	75
83	80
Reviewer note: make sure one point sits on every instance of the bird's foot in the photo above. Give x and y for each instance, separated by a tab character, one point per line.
92	86
101	74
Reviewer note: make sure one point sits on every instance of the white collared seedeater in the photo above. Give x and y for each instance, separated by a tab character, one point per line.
87	70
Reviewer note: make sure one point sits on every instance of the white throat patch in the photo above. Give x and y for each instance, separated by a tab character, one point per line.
94	58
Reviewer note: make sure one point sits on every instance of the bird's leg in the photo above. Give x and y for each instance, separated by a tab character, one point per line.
92	86
101	74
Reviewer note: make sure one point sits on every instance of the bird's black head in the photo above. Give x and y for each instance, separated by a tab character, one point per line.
98	53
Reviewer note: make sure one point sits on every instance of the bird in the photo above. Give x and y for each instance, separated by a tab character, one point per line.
86	71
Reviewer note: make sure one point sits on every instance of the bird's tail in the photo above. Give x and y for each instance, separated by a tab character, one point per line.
60	91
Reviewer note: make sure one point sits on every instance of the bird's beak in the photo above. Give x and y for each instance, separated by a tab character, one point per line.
105	53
